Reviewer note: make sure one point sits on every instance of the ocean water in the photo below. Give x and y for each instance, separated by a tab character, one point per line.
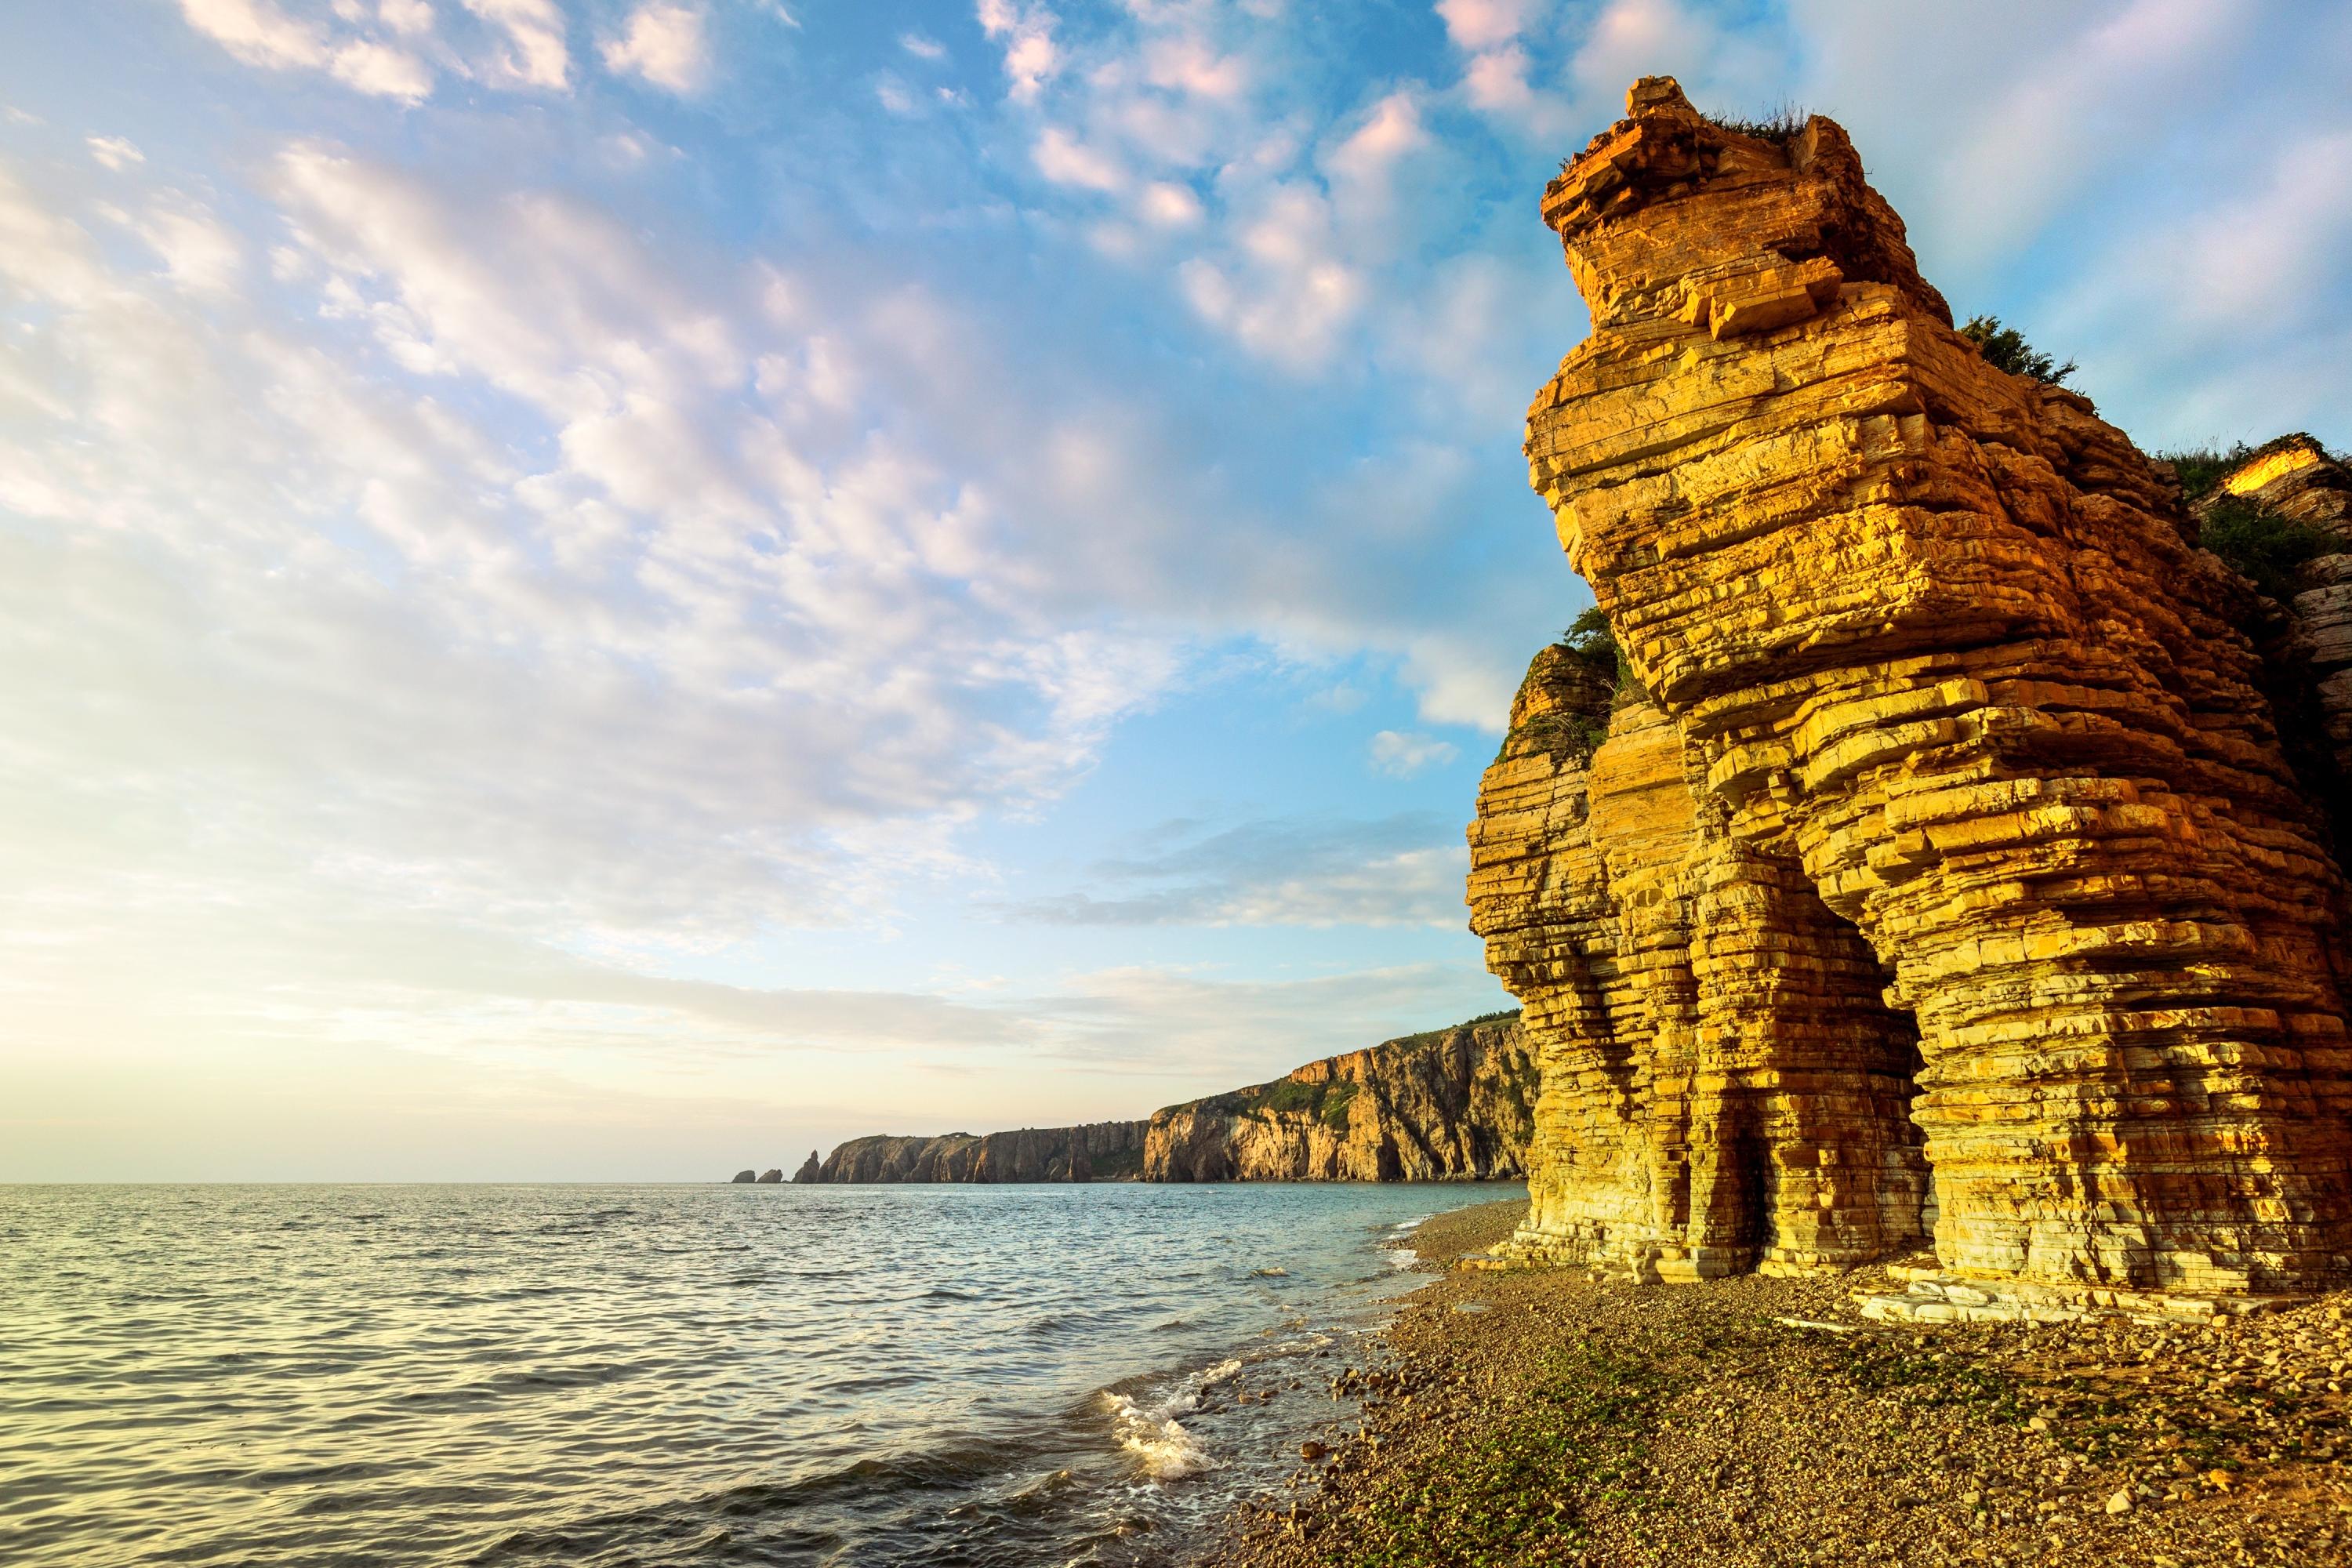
595	1376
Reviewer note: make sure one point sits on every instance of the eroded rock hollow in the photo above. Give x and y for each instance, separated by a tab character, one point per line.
1935	874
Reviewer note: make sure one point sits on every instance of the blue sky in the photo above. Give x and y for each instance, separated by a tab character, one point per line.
624	589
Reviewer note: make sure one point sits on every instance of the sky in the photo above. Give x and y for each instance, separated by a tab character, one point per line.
627	589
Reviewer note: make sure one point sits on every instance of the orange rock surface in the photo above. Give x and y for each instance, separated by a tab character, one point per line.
1942	872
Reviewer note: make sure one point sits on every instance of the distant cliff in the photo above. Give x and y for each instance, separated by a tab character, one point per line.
1099	1152
1448	1105
1451	1104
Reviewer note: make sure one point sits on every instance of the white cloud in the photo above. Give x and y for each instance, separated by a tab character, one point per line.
698	671
1402	871
1184	63
1400	754
261	34
1391	131
1476	25
2215	362
1026	28
393	48
2081	97
1065	161
1287	293
199	251
1632	38
537	55
665	43
257	31
382	70
411	17
1166	204
113	152
922	47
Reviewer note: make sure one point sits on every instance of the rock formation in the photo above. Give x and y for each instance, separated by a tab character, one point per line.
1099	1152
1941	872
812	1168
1449	1104
771	1178
745	1177
2294	478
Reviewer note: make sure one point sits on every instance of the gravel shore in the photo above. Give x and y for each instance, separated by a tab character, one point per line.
1542	1416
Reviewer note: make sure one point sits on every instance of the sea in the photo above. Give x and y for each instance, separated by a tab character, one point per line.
598	1376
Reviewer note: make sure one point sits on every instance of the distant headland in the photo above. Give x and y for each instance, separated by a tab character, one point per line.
1452	1104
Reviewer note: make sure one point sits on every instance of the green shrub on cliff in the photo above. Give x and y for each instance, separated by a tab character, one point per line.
2263	546
2005	348
2202	468
1592	642
1289	1094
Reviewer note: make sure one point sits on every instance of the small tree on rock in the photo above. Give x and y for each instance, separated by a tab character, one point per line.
2005	348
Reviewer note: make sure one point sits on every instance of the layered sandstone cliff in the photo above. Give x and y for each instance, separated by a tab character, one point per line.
1097	1151
1941	873
1451	1104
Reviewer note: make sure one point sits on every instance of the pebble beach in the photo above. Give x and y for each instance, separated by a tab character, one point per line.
1547	1416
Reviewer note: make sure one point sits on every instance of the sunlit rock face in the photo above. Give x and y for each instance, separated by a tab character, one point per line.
1723	1085
1448	1105
1942	872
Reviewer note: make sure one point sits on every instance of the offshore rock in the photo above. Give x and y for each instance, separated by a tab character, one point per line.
745	1177
812	1168
1099	1152
1451	1104
771	1178
1942	872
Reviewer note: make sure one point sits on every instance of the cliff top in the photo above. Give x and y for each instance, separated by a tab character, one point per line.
1778	198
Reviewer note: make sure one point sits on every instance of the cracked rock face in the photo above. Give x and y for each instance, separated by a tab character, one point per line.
1941	873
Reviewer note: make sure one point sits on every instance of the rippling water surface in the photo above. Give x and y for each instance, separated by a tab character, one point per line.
597	1376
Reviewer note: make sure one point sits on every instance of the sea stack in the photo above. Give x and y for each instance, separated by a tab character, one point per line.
743	1177
1936	872
771	1178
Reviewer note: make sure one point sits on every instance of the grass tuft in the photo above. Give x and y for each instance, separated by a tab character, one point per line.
1779	126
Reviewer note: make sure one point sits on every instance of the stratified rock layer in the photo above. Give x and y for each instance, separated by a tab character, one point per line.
1948	750
1723	1085
1097	1151
1452	1104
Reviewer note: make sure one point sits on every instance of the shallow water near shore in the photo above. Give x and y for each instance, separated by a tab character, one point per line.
601	1375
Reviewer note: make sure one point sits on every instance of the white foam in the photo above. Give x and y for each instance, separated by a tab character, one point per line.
1401	1256
1167	1448
1160	1443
